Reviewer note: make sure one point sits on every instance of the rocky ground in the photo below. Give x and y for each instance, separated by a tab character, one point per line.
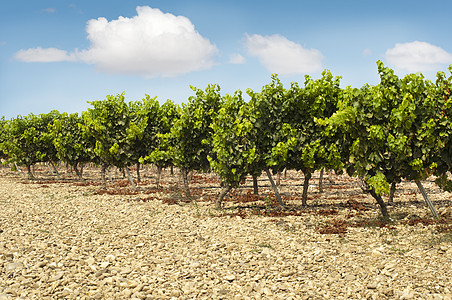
62	239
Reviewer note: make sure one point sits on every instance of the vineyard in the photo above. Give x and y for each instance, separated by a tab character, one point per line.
400	129
309	192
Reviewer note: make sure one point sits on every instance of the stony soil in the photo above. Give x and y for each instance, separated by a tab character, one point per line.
67	240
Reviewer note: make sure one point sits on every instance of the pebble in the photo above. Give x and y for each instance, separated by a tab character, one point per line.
110	257
97	296
109	280
229	277
126	270
58	276
41	264
10	292
350	277
13	266
376	253
267	291
407	294
127	293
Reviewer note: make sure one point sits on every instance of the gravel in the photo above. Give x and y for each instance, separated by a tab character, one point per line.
63	241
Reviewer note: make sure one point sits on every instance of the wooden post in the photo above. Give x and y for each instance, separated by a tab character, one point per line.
130	178
427	200
275	188
56	171
17	167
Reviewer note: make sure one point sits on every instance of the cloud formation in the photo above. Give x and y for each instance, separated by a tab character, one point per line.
44	55
152	43
417	56
237	59
282	56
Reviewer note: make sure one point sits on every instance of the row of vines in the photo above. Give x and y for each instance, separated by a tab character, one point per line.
398	129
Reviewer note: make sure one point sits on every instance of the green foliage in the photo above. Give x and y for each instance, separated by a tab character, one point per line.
117	127
315	148
159	154
438	131
286	122
444	182
268	109
398	129
378	183
28	140
234	140
144	127
391	128
190	137
71	144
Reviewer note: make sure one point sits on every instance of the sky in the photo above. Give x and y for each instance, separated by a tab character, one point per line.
60	54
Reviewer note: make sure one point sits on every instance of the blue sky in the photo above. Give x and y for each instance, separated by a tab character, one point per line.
60	54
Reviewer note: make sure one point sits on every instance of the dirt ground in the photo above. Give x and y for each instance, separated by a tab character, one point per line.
65	239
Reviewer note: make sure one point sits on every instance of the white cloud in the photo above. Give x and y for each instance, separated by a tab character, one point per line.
44	55
417	56
150	44
282	56
237	59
